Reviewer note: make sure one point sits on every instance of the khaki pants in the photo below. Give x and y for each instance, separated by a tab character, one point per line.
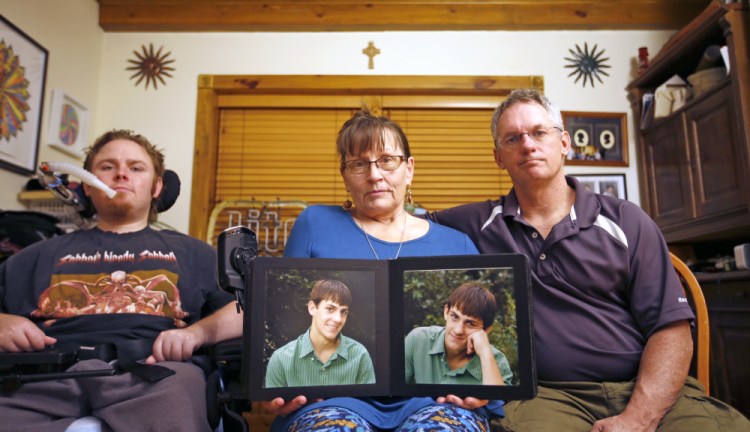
575	406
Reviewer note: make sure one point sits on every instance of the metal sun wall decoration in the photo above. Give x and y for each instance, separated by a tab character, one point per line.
587	64
151	66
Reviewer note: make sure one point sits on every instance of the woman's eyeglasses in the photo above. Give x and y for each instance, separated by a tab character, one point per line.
361	166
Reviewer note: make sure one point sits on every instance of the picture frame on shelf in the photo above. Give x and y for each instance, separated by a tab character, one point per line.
24	61
597	138
605	184
68	124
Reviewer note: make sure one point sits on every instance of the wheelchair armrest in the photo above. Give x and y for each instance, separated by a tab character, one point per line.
228	350
47	357
25	367
224	395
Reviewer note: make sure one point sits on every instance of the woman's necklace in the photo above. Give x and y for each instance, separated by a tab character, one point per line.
401	242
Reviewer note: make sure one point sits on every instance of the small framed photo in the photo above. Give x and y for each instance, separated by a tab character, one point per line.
24	66
68	126
597	138
605	184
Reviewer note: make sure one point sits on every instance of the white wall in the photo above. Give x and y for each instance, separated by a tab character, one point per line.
78	49
168	114
70	32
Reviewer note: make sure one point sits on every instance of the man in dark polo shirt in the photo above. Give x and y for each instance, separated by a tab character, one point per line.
611	323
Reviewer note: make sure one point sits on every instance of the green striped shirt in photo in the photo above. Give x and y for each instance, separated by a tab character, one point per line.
426	362
296	365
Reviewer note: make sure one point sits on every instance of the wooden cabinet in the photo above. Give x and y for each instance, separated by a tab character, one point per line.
717	150
694	173
693	164
668	177
728	300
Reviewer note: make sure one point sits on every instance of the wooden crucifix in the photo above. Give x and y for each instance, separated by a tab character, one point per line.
371	52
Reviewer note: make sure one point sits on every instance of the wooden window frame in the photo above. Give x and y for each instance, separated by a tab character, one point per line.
216	92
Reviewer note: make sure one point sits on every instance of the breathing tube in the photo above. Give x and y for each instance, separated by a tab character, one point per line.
52	180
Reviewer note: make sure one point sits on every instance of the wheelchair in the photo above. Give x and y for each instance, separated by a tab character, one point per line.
225	401
221	363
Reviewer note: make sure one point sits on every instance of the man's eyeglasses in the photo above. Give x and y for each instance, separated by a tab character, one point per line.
538	135
385	163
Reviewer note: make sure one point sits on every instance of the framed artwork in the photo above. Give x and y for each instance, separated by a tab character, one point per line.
597	138
24	65
605	184
389	305
68	124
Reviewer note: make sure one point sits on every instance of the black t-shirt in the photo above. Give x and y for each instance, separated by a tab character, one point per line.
93	287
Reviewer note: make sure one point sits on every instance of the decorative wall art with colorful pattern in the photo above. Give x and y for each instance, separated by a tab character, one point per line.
23	68
68	124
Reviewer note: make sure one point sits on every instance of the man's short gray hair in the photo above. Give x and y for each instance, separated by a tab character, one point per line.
524	96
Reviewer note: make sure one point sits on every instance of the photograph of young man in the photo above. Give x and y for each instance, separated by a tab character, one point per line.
459	352
322	355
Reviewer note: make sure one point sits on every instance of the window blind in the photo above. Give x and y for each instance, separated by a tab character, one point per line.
269	154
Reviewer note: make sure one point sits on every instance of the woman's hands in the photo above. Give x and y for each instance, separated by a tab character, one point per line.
280	407
468	403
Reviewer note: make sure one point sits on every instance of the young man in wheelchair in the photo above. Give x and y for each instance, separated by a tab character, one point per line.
147	295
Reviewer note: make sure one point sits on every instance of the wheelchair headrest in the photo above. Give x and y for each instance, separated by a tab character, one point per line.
169	192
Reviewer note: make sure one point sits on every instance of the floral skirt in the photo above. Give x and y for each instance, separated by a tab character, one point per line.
434	418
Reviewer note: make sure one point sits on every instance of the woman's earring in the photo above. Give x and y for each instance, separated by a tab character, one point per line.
408	195
348	204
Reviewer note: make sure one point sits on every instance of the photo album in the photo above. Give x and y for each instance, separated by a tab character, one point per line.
422	326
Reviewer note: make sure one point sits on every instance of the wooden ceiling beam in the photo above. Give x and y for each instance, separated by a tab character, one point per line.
378	15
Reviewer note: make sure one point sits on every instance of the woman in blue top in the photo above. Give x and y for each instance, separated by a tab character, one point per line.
377	169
